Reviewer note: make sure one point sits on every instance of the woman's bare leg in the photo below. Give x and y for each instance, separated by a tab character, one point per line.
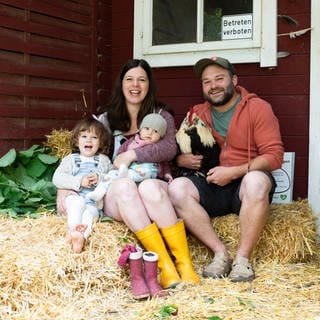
154	193
123	203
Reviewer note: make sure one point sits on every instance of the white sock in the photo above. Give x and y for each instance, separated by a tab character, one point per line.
75	206
90	215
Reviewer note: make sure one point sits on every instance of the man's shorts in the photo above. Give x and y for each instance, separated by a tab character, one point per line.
219	201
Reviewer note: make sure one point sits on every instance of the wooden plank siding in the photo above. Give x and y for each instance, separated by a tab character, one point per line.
104	53
49	52
286	87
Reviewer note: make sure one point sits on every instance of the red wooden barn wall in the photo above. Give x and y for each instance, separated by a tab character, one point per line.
286	87
49	52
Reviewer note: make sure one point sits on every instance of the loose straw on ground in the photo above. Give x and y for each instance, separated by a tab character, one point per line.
41	278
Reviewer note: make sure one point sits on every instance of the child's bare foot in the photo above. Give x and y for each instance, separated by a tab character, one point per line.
77	237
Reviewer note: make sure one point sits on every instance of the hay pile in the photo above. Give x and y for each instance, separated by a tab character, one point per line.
60	142
290	235
40	277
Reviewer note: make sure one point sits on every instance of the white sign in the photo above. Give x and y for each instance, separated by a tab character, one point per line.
236	27
284	179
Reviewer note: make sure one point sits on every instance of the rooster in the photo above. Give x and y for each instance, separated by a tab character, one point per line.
195	137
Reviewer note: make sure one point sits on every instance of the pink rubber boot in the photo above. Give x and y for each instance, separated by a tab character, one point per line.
139	287
151	271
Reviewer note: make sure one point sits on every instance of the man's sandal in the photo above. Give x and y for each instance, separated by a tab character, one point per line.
241	270
219	267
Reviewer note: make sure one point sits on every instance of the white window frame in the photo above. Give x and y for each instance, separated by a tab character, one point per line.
262	48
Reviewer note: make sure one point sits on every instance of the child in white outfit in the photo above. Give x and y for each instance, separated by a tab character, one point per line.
82	171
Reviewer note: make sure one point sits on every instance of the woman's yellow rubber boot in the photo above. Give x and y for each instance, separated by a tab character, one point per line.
151	239
176	240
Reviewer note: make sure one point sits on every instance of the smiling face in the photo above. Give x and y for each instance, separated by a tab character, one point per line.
88	142
135	86
218	86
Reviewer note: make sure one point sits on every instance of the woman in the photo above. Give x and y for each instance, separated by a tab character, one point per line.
145	208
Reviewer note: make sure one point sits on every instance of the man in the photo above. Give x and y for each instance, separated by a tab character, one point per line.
248	134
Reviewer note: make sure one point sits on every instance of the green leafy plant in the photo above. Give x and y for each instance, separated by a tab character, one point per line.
25	182
167	311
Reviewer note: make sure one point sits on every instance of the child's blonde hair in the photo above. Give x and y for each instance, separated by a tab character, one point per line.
89	124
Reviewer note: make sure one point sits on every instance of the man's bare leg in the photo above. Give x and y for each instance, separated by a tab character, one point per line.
254	194
185	198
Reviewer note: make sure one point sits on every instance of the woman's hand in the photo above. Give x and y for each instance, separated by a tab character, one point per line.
126	157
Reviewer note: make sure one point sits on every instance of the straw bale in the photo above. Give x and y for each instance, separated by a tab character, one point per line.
289	236
60	142
40	278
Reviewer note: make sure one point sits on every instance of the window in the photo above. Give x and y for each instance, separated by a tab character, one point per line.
179	32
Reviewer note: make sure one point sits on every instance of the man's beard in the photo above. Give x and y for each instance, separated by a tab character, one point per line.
228	94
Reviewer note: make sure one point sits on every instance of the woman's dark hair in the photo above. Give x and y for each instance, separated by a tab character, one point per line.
88	124
118	115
